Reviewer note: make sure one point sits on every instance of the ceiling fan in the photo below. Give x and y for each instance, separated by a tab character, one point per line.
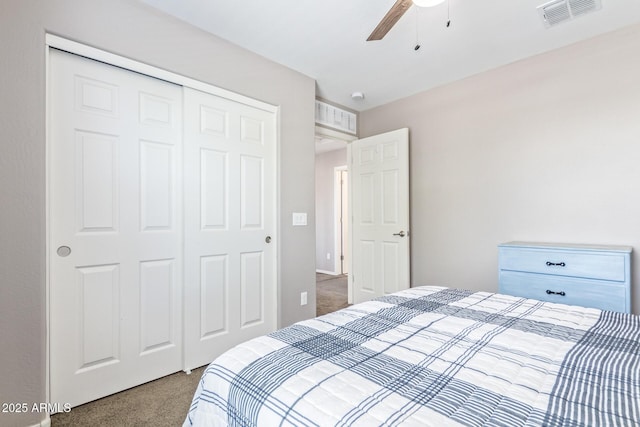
395	13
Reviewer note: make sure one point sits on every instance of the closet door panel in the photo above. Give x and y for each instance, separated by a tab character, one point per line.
162	227
115	228
230	285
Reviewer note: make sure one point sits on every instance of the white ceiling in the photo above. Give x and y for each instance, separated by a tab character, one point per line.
325	39
325	144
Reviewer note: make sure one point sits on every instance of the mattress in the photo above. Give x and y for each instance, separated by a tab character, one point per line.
432	356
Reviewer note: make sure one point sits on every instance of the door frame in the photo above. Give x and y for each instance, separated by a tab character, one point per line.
338	210
321	131
56	42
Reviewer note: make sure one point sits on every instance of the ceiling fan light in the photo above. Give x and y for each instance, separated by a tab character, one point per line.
427	3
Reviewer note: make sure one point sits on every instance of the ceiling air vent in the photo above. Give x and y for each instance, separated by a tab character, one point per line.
558	11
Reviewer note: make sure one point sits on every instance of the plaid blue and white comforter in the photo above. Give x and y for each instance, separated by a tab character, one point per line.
432	356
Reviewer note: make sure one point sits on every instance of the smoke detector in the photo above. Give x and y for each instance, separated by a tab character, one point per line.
558	11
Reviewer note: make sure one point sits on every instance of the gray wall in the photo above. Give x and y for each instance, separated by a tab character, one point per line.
325	207
133	30
545	149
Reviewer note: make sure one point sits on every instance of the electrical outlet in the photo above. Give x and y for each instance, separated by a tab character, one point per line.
303	298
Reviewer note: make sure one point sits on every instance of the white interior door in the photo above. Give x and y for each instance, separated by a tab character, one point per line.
230	225
379	205
115	228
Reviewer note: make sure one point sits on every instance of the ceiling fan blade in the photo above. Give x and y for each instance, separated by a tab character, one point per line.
390	19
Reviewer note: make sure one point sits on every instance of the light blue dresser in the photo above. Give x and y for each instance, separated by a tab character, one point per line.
586	275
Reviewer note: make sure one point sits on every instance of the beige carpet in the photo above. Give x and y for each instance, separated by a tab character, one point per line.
331	293
165	401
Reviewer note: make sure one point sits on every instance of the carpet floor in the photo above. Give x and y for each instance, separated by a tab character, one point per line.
331	293
165	401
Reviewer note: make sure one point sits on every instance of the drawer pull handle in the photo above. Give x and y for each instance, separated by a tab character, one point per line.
555	264
561	293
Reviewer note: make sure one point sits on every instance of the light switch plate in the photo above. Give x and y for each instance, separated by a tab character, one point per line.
299	218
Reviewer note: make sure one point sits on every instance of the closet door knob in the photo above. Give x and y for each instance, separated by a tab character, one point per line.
401	234
267	239
63	251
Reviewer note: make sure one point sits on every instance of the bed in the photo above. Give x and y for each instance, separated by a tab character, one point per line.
432	356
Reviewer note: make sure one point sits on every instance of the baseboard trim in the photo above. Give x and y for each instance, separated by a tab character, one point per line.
44	423
331	273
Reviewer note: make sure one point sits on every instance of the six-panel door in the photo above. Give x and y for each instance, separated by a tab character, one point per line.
116	230
230	285
149	203
379	179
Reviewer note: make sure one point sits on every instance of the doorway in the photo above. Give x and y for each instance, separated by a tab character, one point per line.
332	239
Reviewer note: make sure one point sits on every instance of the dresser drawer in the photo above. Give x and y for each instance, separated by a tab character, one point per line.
566	290
592	265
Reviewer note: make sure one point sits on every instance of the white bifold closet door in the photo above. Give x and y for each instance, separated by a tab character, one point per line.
158	225
116	230
230	261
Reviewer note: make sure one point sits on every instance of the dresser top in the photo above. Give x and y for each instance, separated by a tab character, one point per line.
546	245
